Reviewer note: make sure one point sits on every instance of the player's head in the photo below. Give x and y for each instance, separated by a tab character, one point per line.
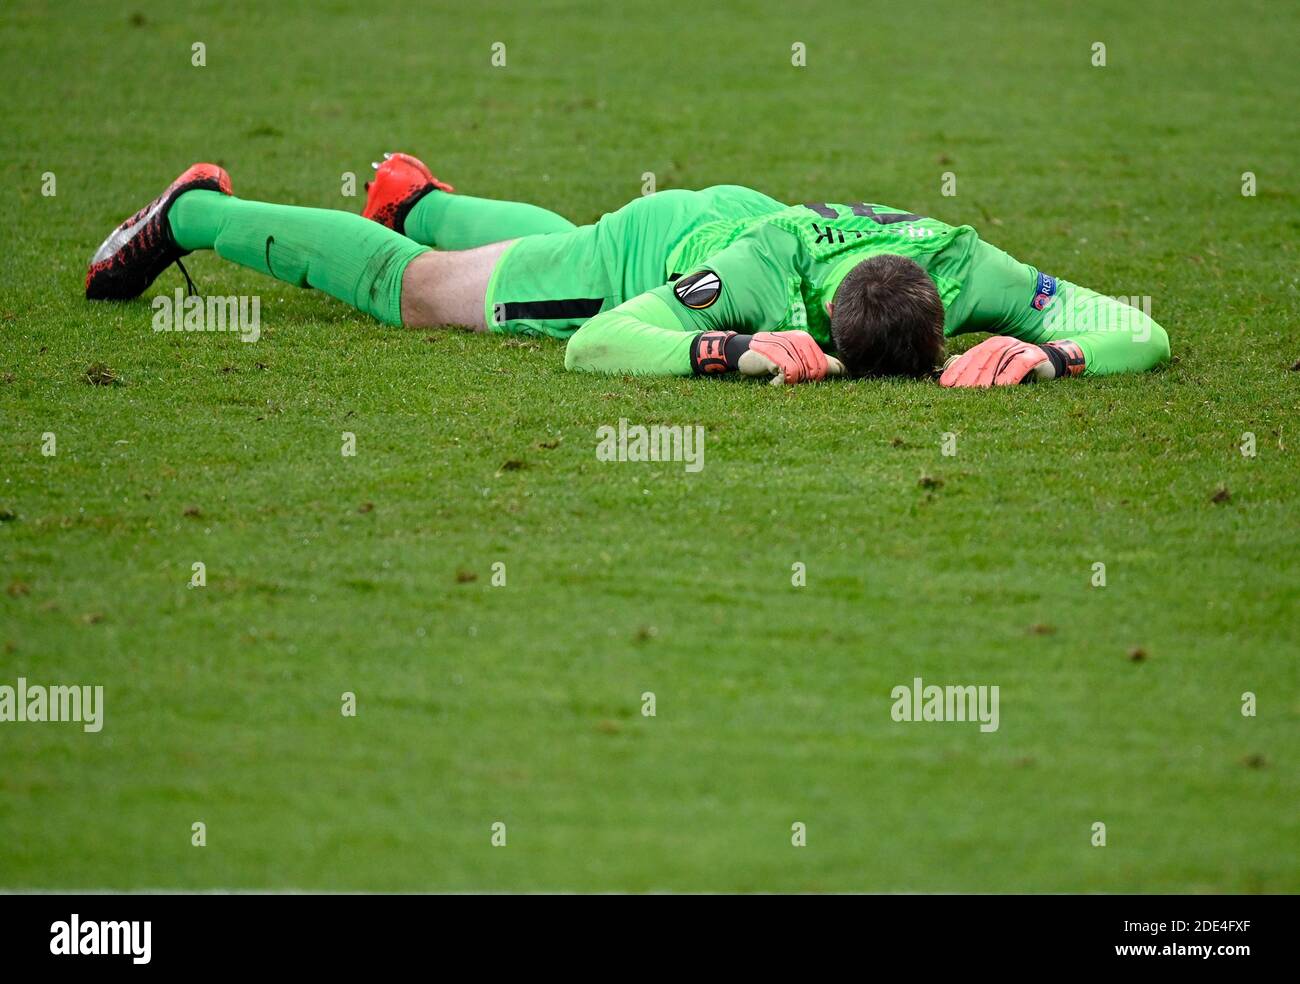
887	319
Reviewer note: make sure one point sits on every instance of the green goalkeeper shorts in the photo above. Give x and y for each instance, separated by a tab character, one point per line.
550	284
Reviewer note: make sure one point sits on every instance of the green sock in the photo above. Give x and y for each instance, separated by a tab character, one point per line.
449	221
358	261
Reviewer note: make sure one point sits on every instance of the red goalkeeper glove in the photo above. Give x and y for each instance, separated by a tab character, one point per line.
785	356
1003	361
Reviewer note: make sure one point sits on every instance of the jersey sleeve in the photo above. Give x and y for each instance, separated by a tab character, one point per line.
1115	337
1007	297
641	336
738	289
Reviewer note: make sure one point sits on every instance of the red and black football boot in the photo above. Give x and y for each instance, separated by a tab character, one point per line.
400	181
143	246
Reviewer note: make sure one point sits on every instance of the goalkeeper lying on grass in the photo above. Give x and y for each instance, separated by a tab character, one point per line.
680	282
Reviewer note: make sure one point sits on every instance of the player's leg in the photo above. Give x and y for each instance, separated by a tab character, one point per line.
342	254
448	288
548	285
360	262
406	197
448	221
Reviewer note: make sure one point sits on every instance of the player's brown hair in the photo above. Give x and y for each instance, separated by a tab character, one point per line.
887	319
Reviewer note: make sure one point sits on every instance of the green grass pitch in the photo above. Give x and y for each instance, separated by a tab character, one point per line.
522	704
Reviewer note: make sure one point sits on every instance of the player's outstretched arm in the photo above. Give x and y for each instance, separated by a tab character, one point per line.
1114	337
1081	333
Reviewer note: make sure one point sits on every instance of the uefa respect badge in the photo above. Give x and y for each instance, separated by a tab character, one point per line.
1045	292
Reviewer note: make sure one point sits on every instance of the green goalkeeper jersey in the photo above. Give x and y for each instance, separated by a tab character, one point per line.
643	282
778	271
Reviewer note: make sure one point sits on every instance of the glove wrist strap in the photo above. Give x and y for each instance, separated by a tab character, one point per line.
714	352
1066	358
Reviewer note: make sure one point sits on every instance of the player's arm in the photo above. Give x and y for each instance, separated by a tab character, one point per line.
1050	330
713	321
644	336
1111	336
1088	335
640	336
